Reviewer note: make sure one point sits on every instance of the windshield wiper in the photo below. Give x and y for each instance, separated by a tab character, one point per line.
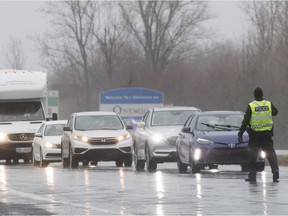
214	126
228	126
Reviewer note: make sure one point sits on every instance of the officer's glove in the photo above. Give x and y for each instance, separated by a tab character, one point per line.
240	139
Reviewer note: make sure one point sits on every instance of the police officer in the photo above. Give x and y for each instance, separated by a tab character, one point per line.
259	125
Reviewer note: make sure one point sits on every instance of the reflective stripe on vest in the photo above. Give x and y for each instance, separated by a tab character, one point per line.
261	117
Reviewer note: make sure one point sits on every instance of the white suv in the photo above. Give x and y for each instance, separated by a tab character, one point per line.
95	136
156	134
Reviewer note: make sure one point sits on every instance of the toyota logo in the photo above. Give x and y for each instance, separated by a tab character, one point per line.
231	145
23	136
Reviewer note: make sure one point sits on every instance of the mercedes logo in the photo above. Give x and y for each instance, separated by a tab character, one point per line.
23	136
231	145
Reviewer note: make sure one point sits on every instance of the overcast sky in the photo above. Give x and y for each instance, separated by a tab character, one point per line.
21	19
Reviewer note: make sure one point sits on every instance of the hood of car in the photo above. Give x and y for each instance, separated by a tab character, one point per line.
101	133
222	136
52	139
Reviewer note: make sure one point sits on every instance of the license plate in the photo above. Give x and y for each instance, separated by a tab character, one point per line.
24	150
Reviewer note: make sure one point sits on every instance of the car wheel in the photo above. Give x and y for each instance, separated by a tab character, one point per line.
85	163
194	168
139	164
65	161
34	161
182	168
150	164
73	161
245	167
119	163
94	163
43	163
213	166
128	162
260	166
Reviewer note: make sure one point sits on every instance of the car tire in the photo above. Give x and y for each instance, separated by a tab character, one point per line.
260	166
73	162
182	168
213	166
65	161
128	162
244	167
94	163
150	164
34	161
194	168
85	163
119	163
43	163
139	164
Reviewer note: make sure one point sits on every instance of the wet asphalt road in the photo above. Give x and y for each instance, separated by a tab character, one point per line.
108	190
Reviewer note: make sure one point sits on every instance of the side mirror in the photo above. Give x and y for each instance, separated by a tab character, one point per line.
66	129
186	130
37	135
129	127
141	124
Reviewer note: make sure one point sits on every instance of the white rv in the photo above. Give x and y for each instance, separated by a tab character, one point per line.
23	107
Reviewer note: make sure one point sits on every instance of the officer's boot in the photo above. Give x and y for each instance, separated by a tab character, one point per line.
276	177
251	177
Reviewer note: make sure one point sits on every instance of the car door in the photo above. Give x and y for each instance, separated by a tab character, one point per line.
141	132
37	142
185	137
65	138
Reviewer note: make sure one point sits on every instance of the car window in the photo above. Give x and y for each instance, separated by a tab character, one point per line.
189	120
70	122
54	130
97	122
170	117
219	122
40	129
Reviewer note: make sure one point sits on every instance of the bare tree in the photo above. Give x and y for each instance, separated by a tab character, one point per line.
164	29
110	37
261	37
71	42
14	54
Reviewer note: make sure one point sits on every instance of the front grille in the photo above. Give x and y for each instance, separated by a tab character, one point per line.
228	155
21	137
58	146
172	140
53	154
103	141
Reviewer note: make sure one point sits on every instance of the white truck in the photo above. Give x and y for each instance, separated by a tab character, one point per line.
23	107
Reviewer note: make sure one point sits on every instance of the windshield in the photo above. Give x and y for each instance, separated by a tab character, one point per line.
172	117
54	130
21	111
219	122
97	122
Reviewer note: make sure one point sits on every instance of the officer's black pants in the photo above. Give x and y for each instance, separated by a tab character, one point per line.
258	142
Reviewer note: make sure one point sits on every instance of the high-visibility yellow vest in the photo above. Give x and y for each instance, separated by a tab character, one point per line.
261	117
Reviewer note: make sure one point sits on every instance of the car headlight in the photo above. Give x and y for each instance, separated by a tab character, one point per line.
204	141
157	137
123	137
48	145
262	154
81	138
197	154
3	136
